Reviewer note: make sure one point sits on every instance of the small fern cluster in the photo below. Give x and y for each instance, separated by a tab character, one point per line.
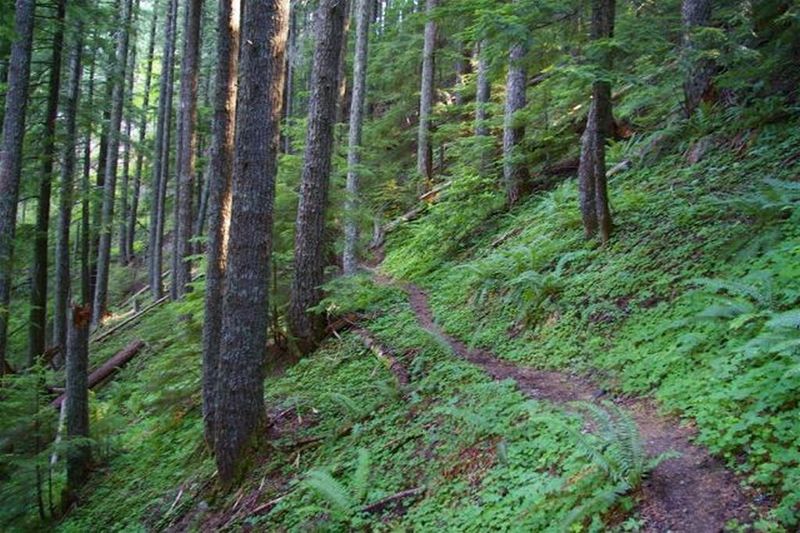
344	499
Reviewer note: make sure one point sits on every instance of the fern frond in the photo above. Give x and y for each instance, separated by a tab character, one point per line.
331	491
360	483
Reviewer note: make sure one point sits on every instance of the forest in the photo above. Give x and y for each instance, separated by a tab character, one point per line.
400	265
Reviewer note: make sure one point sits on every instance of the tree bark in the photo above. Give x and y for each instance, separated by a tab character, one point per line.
288	92
309	255
130	74
37	317
240	410
110	181
341	98
699	72
483	92
62	279
363	15
137	179
219	185
187	143
77	400
424	149
514	172
592	187
161	154
11	154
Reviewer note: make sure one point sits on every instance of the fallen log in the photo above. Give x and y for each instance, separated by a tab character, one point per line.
382	504
108	368
386	355
100	337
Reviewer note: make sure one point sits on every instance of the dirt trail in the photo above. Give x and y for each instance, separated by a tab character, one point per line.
693	493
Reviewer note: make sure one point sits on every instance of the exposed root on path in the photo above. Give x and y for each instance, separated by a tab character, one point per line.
693	492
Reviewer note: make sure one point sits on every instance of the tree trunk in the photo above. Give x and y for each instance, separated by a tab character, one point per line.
37	317
288	92
19	71
97	197
124	252
187	144
514	171
341	92
463	69
62	281
240	411
483	92
699	72
363	15
110	182
309	254
137	179
592	168
86	189
424	149
77	408
219	185
161	154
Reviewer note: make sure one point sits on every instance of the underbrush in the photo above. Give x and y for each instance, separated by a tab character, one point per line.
694	301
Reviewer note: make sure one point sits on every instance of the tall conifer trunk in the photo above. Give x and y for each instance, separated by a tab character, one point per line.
424	148
592	168
187	146
137	178
699	72
309	244
514	172
16	103
363	15
219	185
37	318
240	414
161	154
109	190
62	279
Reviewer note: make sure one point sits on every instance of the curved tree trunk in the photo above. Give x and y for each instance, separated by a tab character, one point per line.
363	15
309	244
110	182
424	149
187	143
19	71
514	172
592	168
137	179
219	185
62	279
699	73
240	410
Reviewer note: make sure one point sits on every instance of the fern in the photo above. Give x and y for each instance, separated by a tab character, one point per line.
360	484
332	491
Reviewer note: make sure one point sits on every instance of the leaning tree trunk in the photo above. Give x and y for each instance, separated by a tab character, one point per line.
137	178
37	318
240	414
219	185
592	168
19	71
699	72
110	181
124	252
424	149
309	245
77	403
161	155
363	14
514	171
187	143
62	280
